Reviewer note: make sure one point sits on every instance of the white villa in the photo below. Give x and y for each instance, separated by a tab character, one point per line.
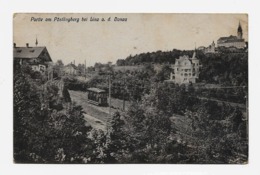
185	70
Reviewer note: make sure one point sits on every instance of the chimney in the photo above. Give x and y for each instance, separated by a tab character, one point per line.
27	44
14	45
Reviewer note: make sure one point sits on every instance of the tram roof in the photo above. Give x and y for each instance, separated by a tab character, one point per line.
96	90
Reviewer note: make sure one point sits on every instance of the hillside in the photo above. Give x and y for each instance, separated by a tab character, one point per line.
156	57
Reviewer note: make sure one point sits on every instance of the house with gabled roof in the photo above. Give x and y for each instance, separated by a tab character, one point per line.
71	69
37	57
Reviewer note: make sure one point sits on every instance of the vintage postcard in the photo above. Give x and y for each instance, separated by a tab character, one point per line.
130	88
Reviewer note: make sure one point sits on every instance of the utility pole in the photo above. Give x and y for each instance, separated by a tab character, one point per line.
109	95
124	89
85	70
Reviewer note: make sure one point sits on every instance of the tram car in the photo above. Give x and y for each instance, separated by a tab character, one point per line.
97	96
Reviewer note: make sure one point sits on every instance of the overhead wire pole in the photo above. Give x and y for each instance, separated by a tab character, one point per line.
109	96
85	70
124	89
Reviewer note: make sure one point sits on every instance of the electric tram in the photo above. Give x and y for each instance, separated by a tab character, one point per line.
97	96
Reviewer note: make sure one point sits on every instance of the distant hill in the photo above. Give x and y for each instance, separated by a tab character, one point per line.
157	57
168	57
227	66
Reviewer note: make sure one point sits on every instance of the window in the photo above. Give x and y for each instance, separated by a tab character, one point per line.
42	67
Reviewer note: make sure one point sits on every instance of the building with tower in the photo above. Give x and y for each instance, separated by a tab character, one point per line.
185	70
233	41
210	49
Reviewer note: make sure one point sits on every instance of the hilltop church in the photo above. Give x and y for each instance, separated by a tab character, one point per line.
233	41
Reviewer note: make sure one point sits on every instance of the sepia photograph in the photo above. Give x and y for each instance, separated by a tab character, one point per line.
130	88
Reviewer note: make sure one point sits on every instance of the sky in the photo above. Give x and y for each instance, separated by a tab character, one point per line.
97	41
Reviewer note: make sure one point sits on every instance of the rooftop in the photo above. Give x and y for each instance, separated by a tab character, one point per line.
72	65
230	39
30	52
96	90
27	52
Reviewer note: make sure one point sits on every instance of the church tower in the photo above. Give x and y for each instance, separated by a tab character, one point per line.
239	32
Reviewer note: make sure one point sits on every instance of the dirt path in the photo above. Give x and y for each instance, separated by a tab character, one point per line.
96	116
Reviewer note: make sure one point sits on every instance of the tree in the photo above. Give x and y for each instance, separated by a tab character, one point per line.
218	139
58	69
164	73
141	134
82	69
27	113
41	133
118	141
